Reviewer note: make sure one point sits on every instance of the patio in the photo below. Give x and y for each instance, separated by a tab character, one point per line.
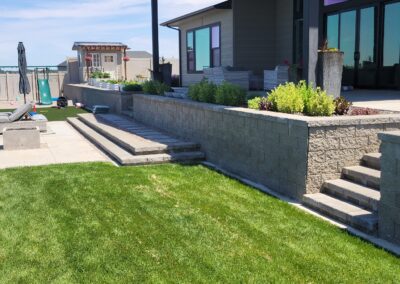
61	145
377	99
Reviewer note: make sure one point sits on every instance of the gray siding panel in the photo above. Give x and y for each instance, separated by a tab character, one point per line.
225	18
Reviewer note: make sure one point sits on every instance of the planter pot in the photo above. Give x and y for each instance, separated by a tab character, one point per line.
329	72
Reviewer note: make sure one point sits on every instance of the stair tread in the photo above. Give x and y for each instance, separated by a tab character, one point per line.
364	170
343	211
373	155
356	188
135	137
124	157
118	153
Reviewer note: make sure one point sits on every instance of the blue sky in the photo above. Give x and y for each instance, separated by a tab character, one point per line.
48	28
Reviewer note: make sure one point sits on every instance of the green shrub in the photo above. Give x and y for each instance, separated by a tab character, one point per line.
254	103
194	92
155	88
207	92
319	104
230	95
149	87
132	87
99	75
287	98
301	98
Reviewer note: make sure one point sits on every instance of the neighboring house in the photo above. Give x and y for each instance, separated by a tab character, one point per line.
101	56
141	62
258	35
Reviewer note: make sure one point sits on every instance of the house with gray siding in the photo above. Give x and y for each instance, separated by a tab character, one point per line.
258	35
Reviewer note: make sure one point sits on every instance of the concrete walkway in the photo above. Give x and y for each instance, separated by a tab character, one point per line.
377	99
62	145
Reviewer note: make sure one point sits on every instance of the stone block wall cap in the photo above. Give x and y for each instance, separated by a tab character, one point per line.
391	136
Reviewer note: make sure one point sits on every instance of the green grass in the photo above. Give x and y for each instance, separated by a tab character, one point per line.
55	114
96	223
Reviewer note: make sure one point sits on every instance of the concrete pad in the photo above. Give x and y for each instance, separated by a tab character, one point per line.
377	99
64	145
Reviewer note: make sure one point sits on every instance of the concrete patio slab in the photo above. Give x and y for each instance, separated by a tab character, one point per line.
63	144
378	99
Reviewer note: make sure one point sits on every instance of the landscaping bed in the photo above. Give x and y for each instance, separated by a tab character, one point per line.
101	223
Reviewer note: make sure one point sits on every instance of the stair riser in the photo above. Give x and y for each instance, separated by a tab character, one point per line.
159	162
356	199
363	180
356	223
129	148
371	163
95	142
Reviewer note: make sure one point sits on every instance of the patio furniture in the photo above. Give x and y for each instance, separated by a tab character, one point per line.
218	75
16	115
21	138
15	119
274	78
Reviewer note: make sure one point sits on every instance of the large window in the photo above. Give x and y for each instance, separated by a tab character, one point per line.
203	47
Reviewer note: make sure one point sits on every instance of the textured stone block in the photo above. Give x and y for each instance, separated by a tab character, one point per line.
21	138
323	144
353	142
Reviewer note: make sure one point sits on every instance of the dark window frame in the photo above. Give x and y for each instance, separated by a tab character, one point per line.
210	26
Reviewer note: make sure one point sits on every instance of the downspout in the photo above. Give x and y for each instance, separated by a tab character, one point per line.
180	53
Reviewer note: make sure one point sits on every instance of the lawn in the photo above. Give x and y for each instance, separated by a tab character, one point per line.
96	223
55	114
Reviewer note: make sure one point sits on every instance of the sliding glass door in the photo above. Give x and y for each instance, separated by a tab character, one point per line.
390	71
353	32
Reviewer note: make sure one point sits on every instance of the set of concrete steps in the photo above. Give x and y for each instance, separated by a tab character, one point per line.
353	199
131	143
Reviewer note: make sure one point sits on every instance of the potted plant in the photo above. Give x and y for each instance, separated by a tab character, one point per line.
330	70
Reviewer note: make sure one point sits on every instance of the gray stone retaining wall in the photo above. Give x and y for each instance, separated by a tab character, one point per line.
389	206
341	142
290	154
89	95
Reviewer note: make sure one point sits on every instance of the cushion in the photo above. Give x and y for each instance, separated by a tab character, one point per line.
19	113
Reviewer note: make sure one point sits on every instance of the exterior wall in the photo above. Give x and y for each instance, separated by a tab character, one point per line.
389	206
225	18
284	31
9	87
264	41
290	154
90	96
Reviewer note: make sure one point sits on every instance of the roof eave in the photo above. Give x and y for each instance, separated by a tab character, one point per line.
226	5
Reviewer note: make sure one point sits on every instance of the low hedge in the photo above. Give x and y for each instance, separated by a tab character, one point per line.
226	94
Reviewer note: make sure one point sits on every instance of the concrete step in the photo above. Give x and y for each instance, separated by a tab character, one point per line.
343	212
363	176
184	157
125	158
354	193
372	160
138	139
119	154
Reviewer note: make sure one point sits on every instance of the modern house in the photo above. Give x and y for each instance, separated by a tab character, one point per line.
101	56
258	35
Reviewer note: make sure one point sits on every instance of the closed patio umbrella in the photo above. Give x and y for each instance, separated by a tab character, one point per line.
24	87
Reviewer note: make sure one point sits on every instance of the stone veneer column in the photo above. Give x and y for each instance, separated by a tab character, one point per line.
389	206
